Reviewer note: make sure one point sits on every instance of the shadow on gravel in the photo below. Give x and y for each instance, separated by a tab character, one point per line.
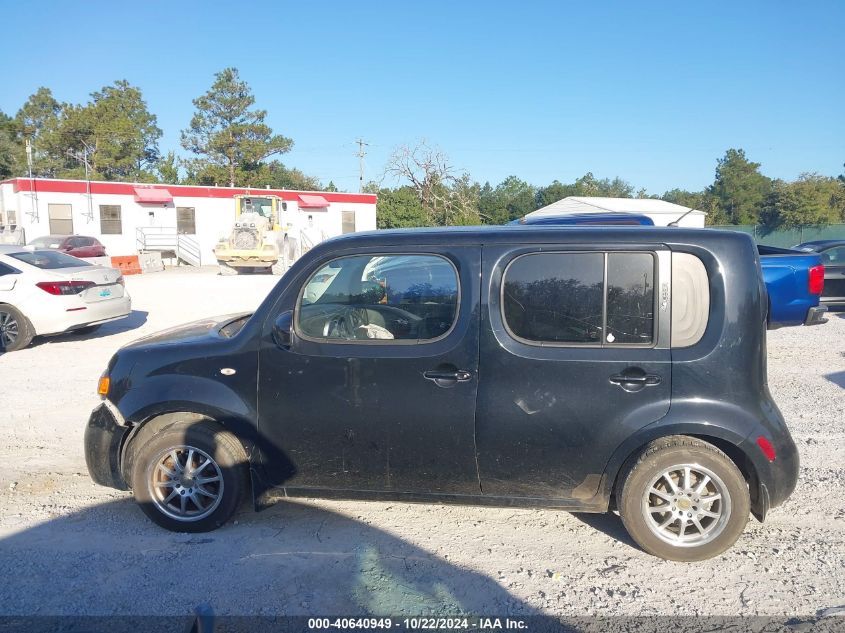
837	378
133	321
292	558
609	524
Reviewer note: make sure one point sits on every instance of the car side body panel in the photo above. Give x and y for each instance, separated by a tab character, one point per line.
718	385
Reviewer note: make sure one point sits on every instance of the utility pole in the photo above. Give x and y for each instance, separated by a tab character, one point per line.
361	154
82	157
33	214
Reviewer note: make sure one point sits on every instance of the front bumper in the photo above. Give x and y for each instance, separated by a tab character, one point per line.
103	440
816	315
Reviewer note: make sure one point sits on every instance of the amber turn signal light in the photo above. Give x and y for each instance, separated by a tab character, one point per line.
103	386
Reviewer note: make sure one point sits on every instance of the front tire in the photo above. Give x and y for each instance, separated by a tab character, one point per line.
189	477
15	329
684	500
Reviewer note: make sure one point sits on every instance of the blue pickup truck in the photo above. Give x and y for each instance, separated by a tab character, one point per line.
794	279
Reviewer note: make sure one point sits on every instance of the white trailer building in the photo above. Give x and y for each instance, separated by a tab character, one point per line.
660	211
124	216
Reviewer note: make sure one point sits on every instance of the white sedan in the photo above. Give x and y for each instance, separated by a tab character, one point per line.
47	292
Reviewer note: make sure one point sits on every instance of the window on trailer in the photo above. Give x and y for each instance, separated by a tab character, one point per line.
348	222
110	222
61	219
186	221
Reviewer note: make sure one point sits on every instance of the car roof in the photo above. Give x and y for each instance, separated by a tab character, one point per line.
587	218
820	243
528	234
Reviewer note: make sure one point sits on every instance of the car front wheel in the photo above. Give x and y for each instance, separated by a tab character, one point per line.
684	500
189	477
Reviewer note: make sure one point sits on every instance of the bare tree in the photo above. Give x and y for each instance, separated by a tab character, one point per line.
447	195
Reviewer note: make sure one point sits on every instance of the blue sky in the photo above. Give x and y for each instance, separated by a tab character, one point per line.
653	92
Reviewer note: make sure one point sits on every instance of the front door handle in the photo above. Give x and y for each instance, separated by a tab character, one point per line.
635	379
447	377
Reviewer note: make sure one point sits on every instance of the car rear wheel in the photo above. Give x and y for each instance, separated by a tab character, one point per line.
15	329
189	477
684	500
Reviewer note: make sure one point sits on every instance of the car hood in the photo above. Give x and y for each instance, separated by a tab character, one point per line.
192	331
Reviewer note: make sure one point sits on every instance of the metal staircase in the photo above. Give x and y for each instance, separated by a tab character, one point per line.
166	240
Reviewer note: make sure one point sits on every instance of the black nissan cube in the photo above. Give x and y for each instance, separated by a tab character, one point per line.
580	368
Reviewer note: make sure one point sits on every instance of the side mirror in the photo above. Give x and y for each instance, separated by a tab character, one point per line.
281	329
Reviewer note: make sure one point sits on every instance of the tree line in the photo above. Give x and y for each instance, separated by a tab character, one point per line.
114	136
429	191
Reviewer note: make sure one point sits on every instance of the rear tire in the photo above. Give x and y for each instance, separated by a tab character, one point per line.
226	270
16	331
188	477
684	500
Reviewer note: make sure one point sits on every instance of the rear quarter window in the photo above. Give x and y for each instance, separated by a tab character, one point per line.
690	299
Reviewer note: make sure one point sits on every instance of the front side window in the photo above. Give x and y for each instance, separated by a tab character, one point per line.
580	298
380	298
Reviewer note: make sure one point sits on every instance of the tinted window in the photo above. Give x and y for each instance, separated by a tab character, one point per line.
555	297
7	270
393	297
834	256
630	298
48	259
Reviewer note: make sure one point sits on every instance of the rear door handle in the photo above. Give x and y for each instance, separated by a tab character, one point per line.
459	375
635	379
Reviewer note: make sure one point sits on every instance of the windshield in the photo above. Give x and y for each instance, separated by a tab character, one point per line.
261	206
47	241
47	260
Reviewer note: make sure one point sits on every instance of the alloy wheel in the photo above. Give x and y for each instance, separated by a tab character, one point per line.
686	505
9	330
185	483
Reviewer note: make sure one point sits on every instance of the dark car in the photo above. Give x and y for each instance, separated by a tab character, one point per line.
833	257
587	219
609	368
76	245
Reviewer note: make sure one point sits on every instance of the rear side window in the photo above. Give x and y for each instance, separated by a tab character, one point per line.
370	298
7	270
580	298
690	299
47	260
630	298
555	297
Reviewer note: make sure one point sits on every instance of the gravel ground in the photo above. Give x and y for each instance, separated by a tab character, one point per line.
68	546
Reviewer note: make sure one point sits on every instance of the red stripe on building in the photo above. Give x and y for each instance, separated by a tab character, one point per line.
46	185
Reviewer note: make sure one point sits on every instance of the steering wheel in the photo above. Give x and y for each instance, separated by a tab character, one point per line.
345	323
